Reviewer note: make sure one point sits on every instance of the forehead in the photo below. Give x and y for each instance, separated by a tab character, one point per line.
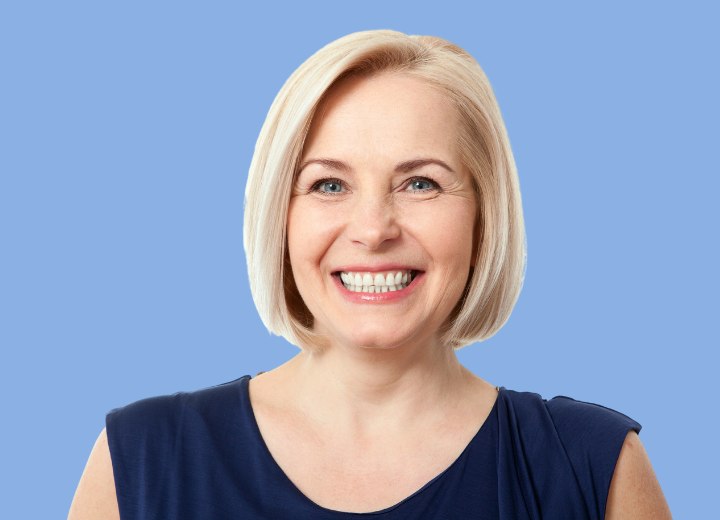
386	114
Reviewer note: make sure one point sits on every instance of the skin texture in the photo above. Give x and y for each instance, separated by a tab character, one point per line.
95	497
378	218
345	422
634	491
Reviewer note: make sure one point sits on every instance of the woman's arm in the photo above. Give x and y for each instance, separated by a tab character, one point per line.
95	497
634	490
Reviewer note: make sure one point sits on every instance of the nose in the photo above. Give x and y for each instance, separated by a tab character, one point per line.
373	222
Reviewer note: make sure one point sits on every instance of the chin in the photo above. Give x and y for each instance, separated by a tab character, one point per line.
380	339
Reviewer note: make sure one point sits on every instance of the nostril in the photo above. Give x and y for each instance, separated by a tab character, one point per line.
373	234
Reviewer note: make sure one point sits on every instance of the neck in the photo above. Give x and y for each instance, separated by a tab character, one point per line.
374	388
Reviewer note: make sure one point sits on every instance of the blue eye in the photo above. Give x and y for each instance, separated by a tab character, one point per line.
330	186
421	184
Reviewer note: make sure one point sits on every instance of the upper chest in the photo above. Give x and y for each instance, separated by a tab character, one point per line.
341	473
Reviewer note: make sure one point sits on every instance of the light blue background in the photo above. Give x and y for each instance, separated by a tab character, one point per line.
126	131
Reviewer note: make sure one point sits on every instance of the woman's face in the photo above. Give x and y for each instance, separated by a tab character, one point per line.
381	221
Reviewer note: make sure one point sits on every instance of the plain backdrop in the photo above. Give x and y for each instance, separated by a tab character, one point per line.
126	132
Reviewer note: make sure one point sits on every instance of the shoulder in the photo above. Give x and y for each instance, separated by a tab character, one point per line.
162	414
635	491
579	424
95	495
580	417
570	441
591	433
566	409
155	441
145	434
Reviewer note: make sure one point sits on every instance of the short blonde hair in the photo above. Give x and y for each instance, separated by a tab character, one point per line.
499	264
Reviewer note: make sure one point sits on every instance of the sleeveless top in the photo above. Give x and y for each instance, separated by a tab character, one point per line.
200	455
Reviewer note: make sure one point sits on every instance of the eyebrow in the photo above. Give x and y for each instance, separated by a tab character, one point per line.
403	167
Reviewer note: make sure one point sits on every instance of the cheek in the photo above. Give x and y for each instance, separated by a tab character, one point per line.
298	236
309	231
447	232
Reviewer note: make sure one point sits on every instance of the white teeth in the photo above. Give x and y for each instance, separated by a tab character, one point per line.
376	282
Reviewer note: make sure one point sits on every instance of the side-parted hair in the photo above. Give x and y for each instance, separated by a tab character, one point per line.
499	259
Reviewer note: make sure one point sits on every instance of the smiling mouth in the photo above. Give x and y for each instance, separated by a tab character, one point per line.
367	282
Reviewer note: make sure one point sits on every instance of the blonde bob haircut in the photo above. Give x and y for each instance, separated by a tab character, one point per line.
493	284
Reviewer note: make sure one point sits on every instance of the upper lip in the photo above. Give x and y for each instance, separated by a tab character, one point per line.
380	268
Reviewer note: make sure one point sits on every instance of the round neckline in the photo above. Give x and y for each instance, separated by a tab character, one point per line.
245	389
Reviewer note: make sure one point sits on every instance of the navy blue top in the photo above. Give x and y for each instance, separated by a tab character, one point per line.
200	455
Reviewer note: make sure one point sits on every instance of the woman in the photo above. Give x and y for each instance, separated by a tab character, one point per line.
383	229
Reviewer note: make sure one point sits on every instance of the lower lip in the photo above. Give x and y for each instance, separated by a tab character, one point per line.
382	297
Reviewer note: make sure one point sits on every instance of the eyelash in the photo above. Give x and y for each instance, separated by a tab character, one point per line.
317	186
433	184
